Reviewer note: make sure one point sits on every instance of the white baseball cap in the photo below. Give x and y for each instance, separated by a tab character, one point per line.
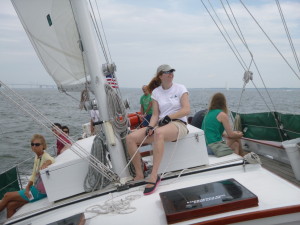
164	68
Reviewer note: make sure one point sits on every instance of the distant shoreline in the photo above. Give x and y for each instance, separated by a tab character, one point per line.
211	88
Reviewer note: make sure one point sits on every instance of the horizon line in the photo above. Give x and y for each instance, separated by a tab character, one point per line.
52	86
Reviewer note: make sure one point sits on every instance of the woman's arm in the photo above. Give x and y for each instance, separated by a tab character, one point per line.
67	146
46	164
155	114
223	118
185	107
154	118
31	179
27	189
92	128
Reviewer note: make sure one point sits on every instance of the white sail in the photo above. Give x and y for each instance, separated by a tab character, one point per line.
51	27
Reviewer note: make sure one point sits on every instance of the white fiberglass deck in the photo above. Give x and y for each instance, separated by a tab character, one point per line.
272	192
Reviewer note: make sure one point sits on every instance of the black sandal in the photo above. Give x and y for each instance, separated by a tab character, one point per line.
150	190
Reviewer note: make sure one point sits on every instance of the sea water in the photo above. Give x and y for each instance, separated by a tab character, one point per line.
16	128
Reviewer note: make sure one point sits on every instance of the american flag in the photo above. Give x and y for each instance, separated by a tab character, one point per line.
112	81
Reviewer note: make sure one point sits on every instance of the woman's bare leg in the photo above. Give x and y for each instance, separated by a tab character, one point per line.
12	207
236	146
133	140
11	196
168	132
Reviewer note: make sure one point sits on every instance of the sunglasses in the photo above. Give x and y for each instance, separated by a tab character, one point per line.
35	144
168	72
66	131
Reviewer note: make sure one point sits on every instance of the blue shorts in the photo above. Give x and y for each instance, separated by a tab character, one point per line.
35	193
146	120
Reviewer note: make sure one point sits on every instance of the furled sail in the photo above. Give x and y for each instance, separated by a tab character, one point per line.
52	30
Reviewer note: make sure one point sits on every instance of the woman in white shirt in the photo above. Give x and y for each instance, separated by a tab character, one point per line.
170	102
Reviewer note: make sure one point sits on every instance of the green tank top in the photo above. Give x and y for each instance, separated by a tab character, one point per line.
213	129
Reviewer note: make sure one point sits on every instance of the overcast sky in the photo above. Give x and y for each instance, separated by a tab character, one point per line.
142	34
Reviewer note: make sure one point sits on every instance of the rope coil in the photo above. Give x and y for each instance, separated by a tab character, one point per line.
113	206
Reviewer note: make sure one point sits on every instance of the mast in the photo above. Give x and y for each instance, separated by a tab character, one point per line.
94	63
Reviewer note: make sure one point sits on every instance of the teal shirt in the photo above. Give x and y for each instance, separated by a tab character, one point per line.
213	129
145	101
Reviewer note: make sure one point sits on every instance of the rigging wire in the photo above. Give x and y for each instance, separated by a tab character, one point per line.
107	54
37	116
242	38
96	26
245	43
223	34
236	50
288	34
270	40
100	39
116	108
103	30
241	33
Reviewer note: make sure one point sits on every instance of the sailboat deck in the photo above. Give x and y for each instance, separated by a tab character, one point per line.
281	169
259	178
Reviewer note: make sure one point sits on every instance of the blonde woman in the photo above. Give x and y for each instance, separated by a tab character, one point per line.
35	189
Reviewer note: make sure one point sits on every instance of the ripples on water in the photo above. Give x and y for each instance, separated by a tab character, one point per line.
16	128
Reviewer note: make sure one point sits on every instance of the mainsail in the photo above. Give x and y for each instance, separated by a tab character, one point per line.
52	30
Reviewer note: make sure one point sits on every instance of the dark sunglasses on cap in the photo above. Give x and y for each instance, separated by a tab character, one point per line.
35	144
168	72
66	131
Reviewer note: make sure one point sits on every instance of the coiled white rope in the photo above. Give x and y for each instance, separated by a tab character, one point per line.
115	205
95	180
252	158
117	112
